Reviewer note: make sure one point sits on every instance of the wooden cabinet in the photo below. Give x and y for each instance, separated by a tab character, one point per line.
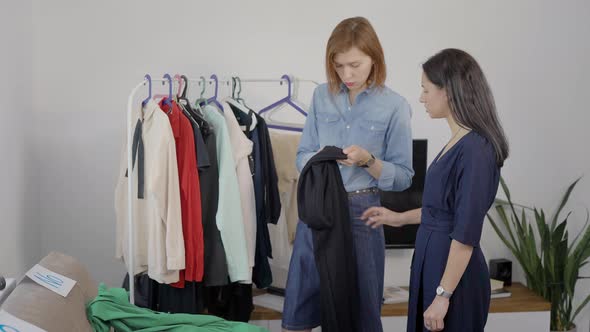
523	311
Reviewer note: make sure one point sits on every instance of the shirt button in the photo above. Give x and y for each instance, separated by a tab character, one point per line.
348	127
372	127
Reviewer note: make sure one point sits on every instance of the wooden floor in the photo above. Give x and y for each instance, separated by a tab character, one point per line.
522	300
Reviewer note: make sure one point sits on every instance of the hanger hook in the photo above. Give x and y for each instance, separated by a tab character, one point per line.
185	79
203	82
286	77
239	86
167	76
179	80
214	78
233	87
149	81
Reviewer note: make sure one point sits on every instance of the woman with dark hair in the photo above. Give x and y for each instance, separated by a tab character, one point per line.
449	281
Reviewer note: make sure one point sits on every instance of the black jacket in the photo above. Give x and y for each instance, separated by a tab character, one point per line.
323	206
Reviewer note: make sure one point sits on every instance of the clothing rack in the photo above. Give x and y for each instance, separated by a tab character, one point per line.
252	80
131	240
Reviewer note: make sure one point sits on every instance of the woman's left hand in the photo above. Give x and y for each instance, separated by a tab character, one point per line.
355	155
435	314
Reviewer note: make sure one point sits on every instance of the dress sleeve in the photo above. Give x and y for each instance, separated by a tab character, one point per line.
475	188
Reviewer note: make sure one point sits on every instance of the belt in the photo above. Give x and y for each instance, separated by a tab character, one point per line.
373	190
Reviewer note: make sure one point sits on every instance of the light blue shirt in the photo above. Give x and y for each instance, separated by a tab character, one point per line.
378	121
229	217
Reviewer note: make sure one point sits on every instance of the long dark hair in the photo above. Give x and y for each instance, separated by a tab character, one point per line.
470	97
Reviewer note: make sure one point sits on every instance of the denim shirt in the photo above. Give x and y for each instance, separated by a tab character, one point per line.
378	121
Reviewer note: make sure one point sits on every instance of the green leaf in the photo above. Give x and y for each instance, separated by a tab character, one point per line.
523	223
505	188
580	233
543	231
580	307
499	233
552	268
504	218
563	202
558	233
499	201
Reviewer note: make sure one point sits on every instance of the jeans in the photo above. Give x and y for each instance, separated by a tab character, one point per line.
302	295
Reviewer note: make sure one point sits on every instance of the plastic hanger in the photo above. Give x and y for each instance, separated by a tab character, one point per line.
286	100
168	100
214	98
149	79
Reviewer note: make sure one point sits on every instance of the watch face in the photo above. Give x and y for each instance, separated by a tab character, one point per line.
439	290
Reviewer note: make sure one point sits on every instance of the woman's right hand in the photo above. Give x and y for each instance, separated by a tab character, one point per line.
377	215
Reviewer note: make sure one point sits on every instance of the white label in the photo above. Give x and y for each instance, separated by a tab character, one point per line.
9	323
61	285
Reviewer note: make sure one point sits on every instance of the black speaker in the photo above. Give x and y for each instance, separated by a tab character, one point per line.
501	269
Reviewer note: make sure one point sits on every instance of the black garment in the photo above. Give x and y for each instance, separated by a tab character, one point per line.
138	151
266	191
165	298
215	273
272	198
203	159
187	300
141	289
244	118
232	302
268	205
323	206
198	124
215	263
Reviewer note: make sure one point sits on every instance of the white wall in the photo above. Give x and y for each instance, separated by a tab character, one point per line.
18	230
87	57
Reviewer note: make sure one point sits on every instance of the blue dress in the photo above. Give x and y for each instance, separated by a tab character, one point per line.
459	190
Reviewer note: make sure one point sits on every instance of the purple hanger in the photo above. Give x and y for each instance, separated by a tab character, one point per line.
281	101
214	98
168	101
149	79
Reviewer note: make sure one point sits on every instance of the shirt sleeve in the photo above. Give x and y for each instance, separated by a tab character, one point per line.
475	189
190	187
271	186
397	171
310	142
229	217
169	205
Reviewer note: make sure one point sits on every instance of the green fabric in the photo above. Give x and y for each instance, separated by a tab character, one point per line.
112	308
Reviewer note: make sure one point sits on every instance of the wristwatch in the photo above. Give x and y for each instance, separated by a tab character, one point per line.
368	163
440	291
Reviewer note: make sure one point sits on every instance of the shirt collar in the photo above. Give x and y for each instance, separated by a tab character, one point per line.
174	116
147	111
368	90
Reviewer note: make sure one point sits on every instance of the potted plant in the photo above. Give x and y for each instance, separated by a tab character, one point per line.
550	265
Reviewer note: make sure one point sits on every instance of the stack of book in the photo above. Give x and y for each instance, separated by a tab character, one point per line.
498	289
394	294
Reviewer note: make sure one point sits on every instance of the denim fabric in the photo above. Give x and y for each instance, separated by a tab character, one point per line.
378	121
302	296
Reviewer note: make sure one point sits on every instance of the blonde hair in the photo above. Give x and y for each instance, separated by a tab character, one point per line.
355	32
